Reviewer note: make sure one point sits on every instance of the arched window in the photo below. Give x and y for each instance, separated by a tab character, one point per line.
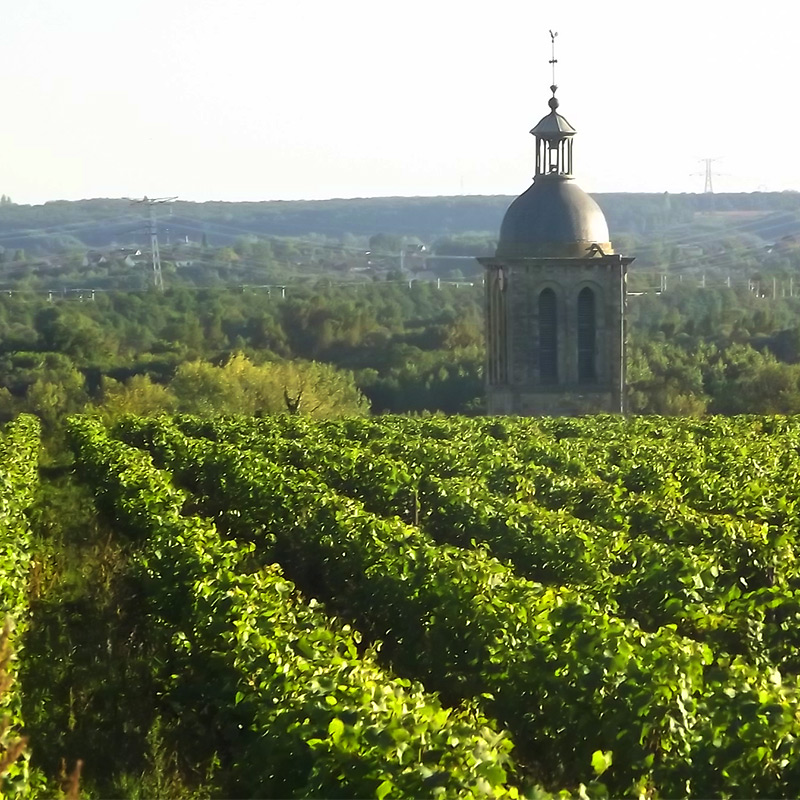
587	332
548	337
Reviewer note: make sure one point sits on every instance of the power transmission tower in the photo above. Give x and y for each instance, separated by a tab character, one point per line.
709	184
151	203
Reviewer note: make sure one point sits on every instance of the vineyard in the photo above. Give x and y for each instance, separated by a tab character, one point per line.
436	607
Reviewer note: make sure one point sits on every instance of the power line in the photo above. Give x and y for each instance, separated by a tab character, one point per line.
757	227
66	229
292	285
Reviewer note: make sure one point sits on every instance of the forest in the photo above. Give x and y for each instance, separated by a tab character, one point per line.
372	305
378	346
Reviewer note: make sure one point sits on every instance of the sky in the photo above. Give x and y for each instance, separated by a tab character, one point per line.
313	99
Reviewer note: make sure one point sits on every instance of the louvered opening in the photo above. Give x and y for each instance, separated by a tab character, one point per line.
497	331
587	334
548	337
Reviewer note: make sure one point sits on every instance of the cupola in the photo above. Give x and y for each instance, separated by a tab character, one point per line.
554	217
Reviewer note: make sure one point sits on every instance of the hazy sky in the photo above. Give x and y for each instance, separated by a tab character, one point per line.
291	99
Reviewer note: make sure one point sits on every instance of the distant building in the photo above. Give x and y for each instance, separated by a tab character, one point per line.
555	294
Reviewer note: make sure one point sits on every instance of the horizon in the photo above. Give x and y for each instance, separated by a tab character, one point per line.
390	197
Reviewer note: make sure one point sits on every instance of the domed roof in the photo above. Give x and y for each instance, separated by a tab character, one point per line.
554	217
553	125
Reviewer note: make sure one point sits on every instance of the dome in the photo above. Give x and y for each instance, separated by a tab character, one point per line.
554	217
553	125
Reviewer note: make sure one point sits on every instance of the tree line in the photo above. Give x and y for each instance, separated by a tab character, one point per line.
379	347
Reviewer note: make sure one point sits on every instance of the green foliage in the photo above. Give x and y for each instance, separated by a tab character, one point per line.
308	712
622	595
591	680
87	688
51	401
140	395
161	777
241	387
409	349
19	451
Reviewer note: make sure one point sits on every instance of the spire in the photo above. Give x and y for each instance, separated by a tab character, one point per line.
553	133
553	102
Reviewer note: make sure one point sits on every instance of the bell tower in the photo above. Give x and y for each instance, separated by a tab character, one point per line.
555	293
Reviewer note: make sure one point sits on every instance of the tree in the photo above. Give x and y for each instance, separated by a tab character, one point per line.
241	387
202	388
318	390
52	399
140	396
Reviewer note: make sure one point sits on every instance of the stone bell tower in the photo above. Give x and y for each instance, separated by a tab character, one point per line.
555	294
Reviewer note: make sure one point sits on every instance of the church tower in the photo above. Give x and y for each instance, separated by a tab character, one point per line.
555	294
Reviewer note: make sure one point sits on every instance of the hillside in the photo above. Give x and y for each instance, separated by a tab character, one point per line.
103	221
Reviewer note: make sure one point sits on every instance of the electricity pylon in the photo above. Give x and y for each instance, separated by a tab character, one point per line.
708	188
151	203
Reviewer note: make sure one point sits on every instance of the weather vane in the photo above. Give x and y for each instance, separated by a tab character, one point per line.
553	59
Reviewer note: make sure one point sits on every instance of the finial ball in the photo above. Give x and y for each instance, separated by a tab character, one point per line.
553	103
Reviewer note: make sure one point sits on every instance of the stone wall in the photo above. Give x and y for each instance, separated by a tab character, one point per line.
520	389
